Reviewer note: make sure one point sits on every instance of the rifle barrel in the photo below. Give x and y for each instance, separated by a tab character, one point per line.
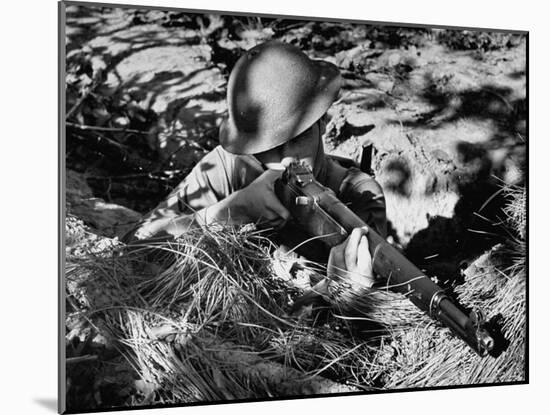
335	219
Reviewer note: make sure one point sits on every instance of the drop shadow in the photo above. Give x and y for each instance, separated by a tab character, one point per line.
48	403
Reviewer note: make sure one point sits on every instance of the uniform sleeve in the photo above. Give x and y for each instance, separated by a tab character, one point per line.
207	184
365	197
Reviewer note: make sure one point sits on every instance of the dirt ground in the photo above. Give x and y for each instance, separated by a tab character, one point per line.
447	124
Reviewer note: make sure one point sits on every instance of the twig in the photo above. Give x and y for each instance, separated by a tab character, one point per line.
80	359
80	101
151	175
504	100
110	129
100	137
521	137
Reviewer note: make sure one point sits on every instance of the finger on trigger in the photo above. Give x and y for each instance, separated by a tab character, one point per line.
351	248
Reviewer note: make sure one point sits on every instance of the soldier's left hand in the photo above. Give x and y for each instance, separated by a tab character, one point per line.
351	260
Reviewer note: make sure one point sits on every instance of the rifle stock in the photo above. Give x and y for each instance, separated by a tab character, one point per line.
318	211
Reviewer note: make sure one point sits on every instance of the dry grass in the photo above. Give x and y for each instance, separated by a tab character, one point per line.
203	318
426	355
207	319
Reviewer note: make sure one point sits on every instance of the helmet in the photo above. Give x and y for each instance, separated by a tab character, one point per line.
274	93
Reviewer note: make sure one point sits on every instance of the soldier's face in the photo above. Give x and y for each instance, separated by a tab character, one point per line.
306	148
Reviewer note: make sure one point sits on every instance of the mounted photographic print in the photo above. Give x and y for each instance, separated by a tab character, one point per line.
259	207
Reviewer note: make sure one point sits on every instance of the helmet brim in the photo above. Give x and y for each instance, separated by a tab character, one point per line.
325	93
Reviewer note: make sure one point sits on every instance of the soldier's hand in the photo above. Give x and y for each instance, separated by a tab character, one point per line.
259	203
351	262
256	203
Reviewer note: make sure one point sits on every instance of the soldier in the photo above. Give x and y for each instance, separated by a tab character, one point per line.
277	100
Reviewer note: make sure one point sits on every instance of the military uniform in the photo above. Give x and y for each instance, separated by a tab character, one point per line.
221	173
275	94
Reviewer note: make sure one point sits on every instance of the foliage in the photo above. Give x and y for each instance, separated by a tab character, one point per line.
396	37
107	133
477	40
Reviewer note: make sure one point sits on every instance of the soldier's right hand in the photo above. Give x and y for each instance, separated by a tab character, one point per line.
256	203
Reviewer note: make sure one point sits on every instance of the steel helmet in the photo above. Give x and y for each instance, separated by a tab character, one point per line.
274	93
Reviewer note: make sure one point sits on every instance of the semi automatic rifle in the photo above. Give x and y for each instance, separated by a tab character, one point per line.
316	210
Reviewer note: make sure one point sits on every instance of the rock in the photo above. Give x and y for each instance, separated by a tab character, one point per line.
345	58
440	155
394	59
380	81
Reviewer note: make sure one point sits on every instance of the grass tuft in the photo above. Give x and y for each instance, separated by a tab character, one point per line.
208	318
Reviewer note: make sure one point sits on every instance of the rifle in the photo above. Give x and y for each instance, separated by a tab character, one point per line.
318	211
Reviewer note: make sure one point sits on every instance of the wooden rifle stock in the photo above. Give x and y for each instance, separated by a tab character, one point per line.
318	211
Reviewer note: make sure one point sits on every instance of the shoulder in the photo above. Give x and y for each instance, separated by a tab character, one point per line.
358	182
365	197
349	182
208	182
216	160
223	172
217	167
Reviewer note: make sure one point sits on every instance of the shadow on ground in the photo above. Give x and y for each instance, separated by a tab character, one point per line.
447	245
486	102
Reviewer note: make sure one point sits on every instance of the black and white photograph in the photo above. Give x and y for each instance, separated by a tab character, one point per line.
261	207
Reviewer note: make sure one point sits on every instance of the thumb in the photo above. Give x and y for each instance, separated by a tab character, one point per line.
282	165
287	161
271	175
